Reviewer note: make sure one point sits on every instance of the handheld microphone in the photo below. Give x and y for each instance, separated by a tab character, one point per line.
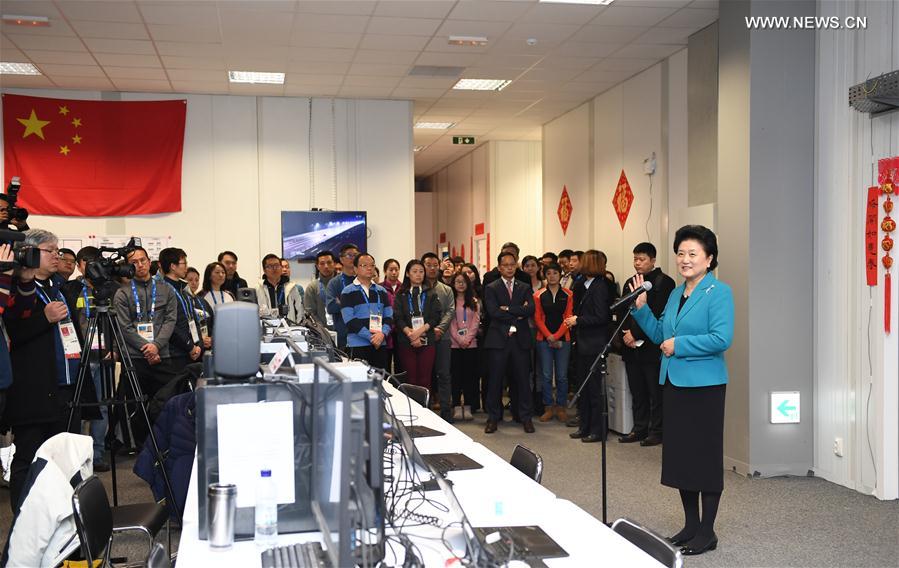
646	287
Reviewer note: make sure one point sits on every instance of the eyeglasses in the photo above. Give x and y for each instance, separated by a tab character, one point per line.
66	260
272	266
366	266
51	252
140	261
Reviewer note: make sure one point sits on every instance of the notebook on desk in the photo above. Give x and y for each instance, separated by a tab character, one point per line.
450	462
527	543
423	432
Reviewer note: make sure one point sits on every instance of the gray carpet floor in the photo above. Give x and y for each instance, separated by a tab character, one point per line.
762	522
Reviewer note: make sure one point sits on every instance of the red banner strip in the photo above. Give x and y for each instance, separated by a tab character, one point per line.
872	226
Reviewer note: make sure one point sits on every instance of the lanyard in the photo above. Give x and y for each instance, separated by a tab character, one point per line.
321	291
221	295
137	300
421	303
464	316
181	299
46	298
87	303
202	305
367	301
281	301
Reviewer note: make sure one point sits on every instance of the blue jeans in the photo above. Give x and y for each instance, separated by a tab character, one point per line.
557	358
98	427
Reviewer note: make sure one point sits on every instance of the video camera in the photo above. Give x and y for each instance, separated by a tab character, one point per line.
15	212
111	263
24	256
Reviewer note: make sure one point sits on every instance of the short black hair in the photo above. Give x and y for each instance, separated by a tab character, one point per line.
324	253
428	255
511	245
648	249
578	254
87	254
135	249
63	251
268	257
346	247
704	236
154	267
502	253
551	256
192	269
360	255
566	253
552	266
169	256
227	253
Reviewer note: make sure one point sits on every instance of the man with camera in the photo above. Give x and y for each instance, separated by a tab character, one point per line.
44	353
5	364
147	311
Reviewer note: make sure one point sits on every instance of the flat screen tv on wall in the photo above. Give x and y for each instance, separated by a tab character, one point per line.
304	234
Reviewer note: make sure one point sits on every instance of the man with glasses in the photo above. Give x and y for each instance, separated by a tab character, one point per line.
66	264
348	253
277	295
147	311
367	313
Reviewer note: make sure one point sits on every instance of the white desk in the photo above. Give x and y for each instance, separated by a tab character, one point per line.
497	495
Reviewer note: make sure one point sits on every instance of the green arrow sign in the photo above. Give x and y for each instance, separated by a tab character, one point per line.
784	409
463	139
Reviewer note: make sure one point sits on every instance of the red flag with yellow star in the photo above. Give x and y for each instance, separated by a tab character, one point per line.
94	158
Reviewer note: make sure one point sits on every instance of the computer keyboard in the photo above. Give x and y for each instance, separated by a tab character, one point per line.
306	555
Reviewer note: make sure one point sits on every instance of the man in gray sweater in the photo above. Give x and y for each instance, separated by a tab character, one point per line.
316	296
444	347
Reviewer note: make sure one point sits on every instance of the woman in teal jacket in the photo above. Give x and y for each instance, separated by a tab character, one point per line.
696	328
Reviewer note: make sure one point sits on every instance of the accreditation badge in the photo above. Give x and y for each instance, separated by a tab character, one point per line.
329	320
70	344
194	335
204	330
374	323
417	322
145	330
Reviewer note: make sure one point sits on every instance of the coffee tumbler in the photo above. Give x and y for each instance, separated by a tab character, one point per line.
220	513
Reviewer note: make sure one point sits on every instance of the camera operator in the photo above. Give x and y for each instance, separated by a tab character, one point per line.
6	255
185	344
39	325
147	311
18	222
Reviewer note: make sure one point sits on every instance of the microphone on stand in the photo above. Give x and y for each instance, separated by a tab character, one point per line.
646	287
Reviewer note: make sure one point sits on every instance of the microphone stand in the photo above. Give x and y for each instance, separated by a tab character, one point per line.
599	366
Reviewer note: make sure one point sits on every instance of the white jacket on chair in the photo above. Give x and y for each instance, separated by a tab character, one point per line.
43	530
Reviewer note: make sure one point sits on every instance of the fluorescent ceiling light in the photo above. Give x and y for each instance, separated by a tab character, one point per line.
435	125
256	77
470	41
481	84
593	2
7	68
33	21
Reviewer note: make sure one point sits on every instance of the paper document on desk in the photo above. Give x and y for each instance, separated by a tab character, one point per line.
255	436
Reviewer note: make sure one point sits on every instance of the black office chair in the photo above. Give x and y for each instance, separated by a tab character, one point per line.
147	518
93	519
158	557
649	542
421	395
527	462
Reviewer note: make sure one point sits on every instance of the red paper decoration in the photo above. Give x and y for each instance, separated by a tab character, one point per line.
565	209
623	199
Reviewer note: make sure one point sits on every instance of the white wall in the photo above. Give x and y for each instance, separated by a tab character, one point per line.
567	155
247	158
856	399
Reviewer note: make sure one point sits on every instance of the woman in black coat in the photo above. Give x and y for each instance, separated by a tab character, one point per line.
590	323
416	312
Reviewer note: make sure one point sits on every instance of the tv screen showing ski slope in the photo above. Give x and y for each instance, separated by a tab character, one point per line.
304	234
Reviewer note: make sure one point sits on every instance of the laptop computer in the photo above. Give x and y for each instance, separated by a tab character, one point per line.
519	543
423	432
443	463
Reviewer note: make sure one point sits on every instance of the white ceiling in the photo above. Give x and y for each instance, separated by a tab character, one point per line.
359	49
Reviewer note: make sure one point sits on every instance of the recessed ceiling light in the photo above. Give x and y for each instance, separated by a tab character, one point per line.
469	41
7	68
481	84
593	2
31	21
435	125
256	77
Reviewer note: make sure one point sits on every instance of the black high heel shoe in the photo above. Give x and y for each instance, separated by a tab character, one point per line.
693	550
678	542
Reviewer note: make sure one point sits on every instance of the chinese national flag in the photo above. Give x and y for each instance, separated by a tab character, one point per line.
94	158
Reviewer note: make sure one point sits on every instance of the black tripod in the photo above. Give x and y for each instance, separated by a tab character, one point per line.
599	364
103	324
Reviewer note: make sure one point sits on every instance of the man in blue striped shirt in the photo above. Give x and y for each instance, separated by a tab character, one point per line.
367	314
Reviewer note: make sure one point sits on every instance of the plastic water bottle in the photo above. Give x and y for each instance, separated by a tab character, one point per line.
266	511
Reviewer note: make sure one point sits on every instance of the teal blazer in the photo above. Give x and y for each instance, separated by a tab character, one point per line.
702	332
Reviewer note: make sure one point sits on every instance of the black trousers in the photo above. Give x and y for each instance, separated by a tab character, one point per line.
150	378
646	392
515	360
375	357
589	405
466	379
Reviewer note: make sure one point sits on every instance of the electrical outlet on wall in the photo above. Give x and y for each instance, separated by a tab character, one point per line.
838	447
649	165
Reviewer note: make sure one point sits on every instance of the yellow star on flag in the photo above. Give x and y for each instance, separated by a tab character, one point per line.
63	110
64	150
33	125
76	139
76	122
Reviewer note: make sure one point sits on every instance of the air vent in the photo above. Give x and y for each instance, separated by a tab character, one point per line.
436	71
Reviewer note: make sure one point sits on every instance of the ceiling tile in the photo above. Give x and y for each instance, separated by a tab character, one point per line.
184	49
72	70
520	45
142	85
63	57
511	60
179	13
490	10
555	33
91	83
584	49
314	79
147	73
632	16
26	81
402	43
440	43
249	63
404	8
96	11
653	3
138	47
379	69
602	75
647	51
330	23
705	4
492	30
428	82
364	92
26	42
326	67
415	92
670	36
304	38
321	54
617	64
277	53
448	59
562	14
110	30
385	83
568	62
553	74
348	7
386	56
690	18
188	34
403	26
592	88
175	62
196	75
200	86
127	60
610	34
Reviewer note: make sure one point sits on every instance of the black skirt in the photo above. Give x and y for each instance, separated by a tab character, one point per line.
693	436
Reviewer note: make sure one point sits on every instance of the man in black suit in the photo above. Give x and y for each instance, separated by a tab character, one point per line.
641	357
509	303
